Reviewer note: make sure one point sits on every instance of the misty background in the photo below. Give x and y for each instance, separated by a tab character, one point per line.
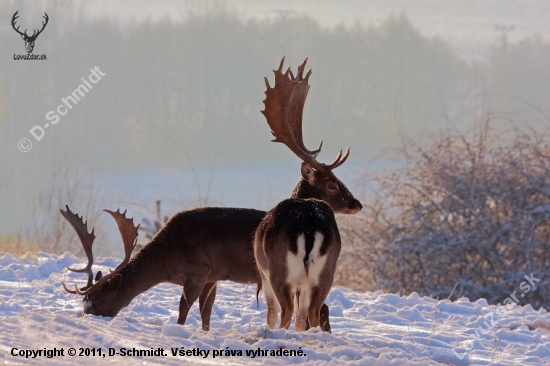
177	115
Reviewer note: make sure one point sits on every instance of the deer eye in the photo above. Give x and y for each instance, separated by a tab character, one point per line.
332	186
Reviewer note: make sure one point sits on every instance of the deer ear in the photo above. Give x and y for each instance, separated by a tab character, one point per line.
309	173
98	276
23	36
114	282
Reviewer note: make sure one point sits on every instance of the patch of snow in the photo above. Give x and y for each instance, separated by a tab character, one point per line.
367	328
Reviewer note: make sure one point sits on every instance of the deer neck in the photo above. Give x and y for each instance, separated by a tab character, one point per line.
303	190
144	271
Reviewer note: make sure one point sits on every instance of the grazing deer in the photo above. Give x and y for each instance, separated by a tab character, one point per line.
297	243
194	249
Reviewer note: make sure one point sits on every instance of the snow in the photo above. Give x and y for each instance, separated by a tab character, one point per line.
367	328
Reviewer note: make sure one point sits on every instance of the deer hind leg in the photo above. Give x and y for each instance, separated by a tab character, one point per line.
316	307
206	301
192	288
271	302
280	292
304	299
284	294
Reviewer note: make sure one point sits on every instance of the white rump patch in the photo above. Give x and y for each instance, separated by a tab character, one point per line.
297	277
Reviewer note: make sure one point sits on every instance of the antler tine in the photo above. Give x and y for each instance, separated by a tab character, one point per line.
13	19
43	23
281	66
69	291
284	105
339	160
129	234
301	70
86	239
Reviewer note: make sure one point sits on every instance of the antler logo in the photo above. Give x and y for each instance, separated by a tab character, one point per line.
29	40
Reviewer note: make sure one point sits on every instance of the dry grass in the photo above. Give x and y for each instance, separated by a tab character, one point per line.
16	245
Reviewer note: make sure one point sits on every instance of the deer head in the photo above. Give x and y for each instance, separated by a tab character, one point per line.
98	295
29	40
284	105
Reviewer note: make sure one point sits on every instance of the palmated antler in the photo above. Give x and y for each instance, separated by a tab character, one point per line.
284	106
87	240
128	232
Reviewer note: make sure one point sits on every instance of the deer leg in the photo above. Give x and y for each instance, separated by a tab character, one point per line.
301	322
323	319
314	307
284	295
206	301
271	302
307	321
191	290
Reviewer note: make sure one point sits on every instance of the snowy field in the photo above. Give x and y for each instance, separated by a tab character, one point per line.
368	328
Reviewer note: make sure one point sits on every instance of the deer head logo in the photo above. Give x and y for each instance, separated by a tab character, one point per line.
29	40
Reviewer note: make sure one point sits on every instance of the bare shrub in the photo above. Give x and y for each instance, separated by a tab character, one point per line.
468	215
49	231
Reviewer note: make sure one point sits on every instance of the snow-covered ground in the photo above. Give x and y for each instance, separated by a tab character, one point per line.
368	328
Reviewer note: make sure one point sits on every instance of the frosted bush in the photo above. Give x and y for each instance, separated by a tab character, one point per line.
469	215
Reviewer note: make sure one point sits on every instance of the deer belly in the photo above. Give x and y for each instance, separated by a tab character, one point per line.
305	267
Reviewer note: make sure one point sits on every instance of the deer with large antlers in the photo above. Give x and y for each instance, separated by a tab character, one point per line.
29	40
194	249
297	243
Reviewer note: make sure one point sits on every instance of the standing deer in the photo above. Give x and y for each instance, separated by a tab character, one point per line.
194	249
297	243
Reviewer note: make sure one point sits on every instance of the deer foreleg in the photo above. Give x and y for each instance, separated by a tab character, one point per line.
192	288
206	301
324	319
